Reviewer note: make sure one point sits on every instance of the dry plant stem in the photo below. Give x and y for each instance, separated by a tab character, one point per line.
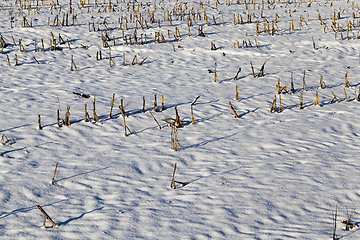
174	139
356	96
53	178
192	114
172	185
292	84
155	120
236	93
19	45
313	43
322	83
280	103
301	98
335	98
112	105
61	40
36	60
162	103
58	117
143	108
346	97
67	40
87	117
191	108
215	77
39	121
73	64
85	113
317	100
42	44
252	69
348	223
303	83
67	116
213	47
5	140
8	59
13	40
347	84
236	116
237	74
46	216
334	223
122	108
95	117
142	61
155	104
132	63
349	215
261	72
178	122
273	106
126	127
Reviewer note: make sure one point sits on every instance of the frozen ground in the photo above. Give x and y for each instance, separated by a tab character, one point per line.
260	176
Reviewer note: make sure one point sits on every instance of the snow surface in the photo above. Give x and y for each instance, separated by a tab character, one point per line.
260	176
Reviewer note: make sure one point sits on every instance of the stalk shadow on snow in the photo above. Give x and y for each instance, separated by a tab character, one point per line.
252	96
148	128
247	112
23	148
208	141
323	104
73	40
28	209
78	217
82	174
239	78
210	175
14	150
307	105
208	118
24	125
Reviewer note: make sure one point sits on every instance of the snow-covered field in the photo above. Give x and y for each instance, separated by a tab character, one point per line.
262	175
